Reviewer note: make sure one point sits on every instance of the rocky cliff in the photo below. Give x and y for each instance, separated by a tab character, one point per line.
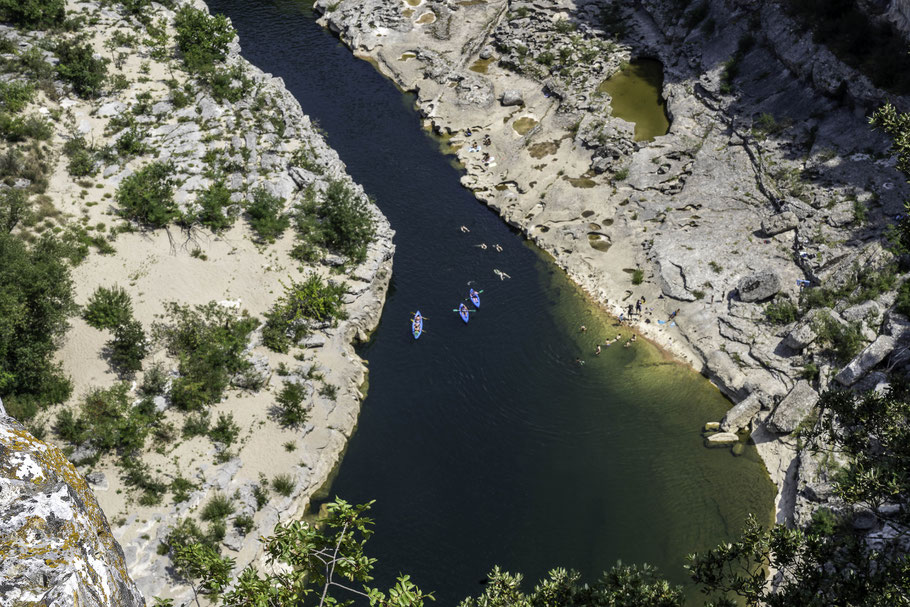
56	547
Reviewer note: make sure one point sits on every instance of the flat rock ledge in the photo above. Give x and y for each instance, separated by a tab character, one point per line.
56	547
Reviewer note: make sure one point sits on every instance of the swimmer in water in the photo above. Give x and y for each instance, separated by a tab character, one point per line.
482	246
465	229
497	247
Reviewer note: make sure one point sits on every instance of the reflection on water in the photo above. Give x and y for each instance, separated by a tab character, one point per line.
636	97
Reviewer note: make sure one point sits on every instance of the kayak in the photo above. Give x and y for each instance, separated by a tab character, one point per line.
417	324
463	312
475	298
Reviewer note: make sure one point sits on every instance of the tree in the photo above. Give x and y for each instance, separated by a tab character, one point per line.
322	564
13	208
147	197
36	299
79	67
108	308
897	126
38	14
202	38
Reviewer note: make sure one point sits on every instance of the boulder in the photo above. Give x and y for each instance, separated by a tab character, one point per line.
58	549
511	97
801	336
866	360
486	52
740	416
861	312
722	439
793	408
759	286
777	224
313	341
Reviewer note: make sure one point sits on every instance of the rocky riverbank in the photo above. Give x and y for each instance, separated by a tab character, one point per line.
248	132
759	216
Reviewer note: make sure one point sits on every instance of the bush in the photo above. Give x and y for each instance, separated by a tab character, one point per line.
147	197
13	208
196	424
33	14
225	431
215	203
312	299
341	222
128	347
243	523
267	216
202	38
217	509
130	143
82	158
291	412
782	311
70	428
18	128
154	381
36	298
209	343
14	96
902	304
638	275
136	474
843	341
283	484
108	308
112	423
79	67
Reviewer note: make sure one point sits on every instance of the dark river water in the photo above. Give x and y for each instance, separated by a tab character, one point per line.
486	443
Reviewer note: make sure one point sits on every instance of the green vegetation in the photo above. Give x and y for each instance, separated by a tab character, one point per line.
108	308
283	484
782	311
81	157
203	39
33	14
14	96
844	341
225	431
638	276
215	203
147	196
36	297
865	284
79	67
19	128
218	508
267	217
14	208
128	347
291	412
208	341
340	221
312	299
107	421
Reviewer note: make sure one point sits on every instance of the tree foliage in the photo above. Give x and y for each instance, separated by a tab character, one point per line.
33	14
79	67
36	299
312	299
340	221
202	38
147	196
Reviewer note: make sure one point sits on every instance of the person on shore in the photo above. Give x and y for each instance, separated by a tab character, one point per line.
673	315
467	132
630	310
638	307
486	140
597	351
622	317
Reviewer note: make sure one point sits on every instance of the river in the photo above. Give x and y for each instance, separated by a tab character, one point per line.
487	443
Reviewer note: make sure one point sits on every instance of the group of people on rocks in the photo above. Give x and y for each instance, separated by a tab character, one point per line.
475	146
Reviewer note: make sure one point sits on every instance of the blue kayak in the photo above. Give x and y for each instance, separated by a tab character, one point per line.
463	312
475	298
417	324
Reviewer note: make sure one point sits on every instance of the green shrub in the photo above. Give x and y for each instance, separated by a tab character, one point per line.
81	157
243	523
147	197
222	83
218	508
267	216
215	202
130	143
291	412
196	424
261	492
154	381
14	96
33	14
137	475
902	304
283	484
108	308
225	431
14	208
79	67
19	128
621	175
312	299
36	298
203	39
342	221
209	343
181	489
113	423
128	347
305	157
844	341
638	276
781	311
70	428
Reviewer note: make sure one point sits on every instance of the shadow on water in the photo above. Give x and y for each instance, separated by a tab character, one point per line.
486	443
